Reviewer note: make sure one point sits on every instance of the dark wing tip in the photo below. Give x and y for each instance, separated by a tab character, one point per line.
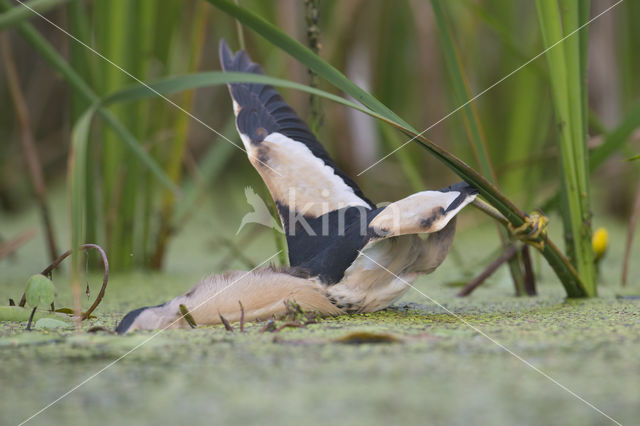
128	320
226	56
462	187
240	62
465	191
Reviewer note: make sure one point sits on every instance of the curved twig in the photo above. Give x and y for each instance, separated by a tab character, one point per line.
105	262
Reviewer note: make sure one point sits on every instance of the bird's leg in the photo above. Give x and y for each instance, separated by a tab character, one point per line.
533	231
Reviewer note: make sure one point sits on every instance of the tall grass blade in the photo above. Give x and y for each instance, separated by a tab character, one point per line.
631	230
615	139
172	85
611	143
564	71
408	167
115	22
84	64
77	169
179	143
80	86
472	124
462	92
209	168
583	15
505	35
21	13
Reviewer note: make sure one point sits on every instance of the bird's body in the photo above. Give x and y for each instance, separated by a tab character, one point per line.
346	254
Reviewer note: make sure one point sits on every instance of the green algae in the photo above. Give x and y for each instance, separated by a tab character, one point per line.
590	346
51	323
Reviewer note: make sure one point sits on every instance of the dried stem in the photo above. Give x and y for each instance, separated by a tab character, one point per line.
313	38
508	254
529	276
241	317
33	312
225	322
28	142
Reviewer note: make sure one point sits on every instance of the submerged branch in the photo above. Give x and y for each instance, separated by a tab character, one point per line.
508	254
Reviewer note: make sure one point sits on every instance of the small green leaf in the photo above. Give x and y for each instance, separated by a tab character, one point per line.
187	316
635	157
51	323
39	291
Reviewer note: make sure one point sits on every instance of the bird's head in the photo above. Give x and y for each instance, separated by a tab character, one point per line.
147	318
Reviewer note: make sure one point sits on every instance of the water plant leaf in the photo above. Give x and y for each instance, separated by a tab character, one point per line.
40	291
187	316
18	313
51	323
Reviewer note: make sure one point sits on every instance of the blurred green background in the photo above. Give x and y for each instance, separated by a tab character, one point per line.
393	49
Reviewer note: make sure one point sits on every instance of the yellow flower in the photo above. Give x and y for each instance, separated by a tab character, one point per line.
600	242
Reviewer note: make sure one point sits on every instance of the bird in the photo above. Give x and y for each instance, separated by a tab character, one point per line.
346	254
260	213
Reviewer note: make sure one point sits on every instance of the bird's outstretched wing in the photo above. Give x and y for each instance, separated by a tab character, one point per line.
303	180
426	212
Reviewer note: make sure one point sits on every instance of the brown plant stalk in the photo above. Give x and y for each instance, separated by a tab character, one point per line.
28	142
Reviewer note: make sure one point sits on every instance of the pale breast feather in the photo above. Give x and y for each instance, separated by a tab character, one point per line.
317	189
